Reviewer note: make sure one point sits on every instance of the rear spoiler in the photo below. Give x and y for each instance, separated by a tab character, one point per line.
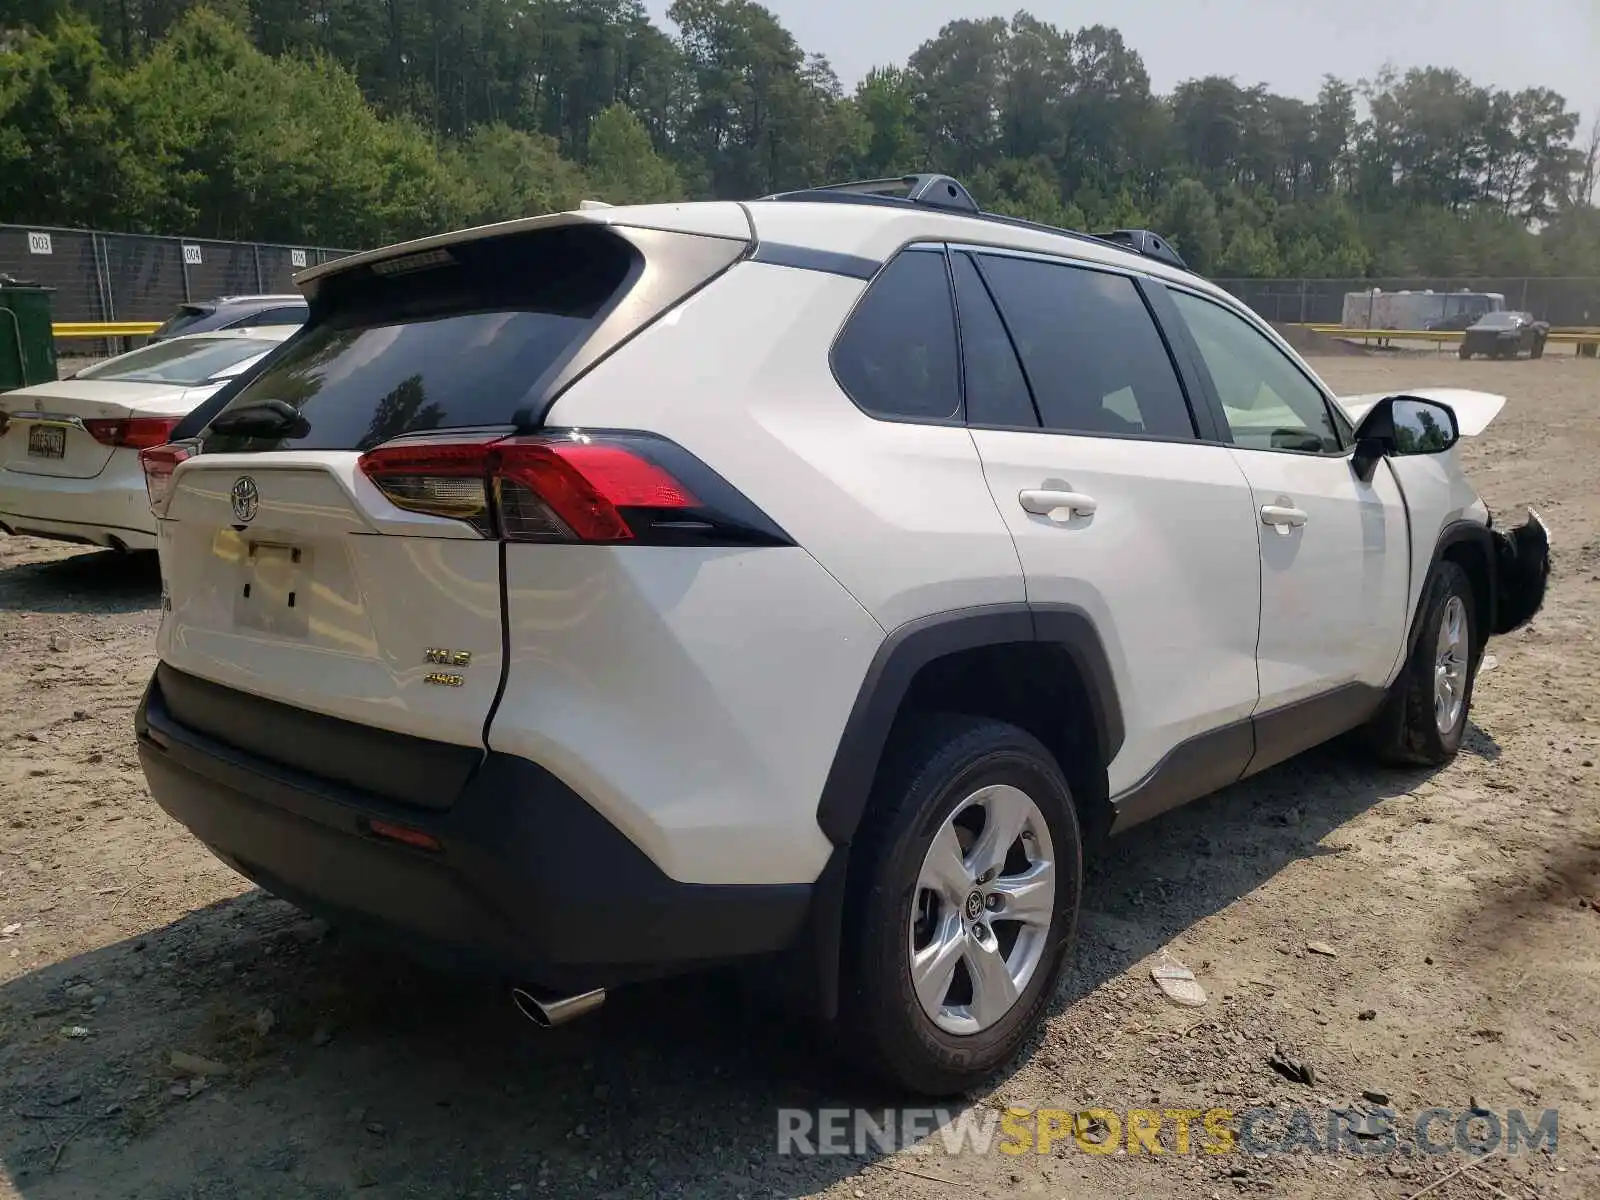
723	219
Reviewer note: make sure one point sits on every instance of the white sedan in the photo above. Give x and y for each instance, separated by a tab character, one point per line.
69	450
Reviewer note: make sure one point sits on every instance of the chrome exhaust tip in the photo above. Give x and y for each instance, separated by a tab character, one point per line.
547	1011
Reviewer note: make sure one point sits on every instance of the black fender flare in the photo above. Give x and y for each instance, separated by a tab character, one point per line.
912	647
905	652
1457	533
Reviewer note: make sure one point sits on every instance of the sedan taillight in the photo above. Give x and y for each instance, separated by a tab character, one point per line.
132	433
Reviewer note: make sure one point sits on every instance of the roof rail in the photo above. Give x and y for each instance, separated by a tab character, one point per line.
930	190
1142	241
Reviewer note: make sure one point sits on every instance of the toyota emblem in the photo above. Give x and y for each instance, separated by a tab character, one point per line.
245	498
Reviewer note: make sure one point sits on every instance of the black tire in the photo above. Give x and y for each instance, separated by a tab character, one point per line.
1405	733
932	765
1464	352
1538	348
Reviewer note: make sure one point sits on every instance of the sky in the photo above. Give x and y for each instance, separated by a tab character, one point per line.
1287	44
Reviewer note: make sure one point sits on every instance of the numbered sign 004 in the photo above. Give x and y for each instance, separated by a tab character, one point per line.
191	255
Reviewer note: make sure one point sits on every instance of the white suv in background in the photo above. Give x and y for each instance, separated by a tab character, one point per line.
612	593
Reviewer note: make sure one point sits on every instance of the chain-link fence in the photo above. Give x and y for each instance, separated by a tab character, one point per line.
1564	302
132	277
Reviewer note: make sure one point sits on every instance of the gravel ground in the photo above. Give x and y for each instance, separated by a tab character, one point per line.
1460	908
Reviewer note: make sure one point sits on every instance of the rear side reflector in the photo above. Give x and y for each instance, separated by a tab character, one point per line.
133	433
571	487
159	462
403	834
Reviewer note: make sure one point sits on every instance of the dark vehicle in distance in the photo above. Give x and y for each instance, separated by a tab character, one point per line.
233	312
1506	335
1457	321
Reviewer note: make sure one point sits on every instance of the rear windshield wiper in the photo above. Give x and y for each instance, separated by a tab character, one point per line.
263	419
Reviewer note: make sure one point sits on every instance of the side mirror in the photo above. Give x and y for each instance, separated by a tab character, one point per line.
1402	425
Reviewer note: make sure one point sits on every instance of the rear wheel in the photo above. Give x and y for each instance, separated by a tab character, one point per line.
1464	352
963	904
1538	348
1424	717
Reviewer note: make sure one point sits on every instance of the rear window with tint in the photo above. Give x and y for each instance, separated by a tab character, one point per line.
448	341
897	355
186	317
186	362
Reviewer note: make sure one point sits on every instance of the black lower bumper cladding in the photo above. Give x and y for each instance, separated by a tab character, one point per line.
1522	572
518	877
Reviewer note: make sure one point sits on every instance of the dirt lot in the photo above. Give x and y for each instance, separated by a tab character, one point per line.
1461	907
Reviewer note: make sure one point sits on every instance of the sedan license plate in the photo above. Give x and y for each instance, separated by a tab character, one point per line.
47	441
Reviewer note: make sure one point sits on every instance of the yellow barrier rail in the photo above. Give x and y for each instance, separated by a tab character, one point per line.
104	329
1563	337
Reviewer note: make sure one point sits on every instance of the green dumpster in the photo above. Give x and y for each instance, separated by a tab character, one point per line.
27	345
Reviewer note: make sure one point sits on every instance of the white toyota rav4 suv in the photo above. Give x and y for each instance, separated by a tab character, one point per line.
605	594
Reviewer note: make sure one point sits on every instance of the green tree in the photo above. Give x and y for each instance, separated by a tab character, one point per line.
623	166
66	155
509	174
1188	217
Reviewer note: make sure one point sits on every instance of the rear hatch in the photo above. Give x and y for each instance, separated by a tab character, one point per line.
70	428
334	543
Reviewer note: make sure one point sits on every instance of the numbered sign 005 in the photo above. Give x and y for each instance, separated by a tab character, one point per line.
191	255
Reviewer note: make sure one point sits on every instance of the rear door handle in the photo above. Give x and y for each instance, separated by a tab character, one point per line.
1057	505
1283	517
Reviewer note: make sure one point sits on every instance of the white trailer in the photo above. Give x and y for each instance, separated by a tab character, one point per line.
1378	309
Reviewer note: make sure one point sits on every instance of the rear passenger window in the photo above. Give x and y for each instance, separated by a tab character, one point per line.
1090	348
897	355
997	393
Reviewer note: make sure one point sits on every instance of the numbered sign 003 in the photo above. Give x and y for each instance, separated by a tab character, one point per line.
191	255
39	243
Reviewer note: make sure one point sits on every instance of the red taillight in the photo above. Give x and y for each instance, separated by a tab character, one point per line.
133	433
572	490
159	462
539	488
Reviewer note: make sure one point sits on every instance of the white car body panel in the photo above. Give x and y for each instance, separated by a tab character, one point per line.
648	680
898	512
1438	494
1333	590
345	648
1178	617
